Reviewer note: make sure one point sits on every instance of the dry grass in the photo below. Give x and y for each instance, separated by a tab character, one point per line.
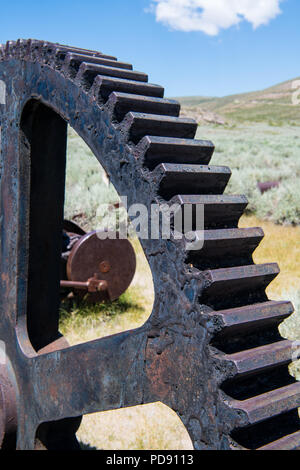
147	427
282	245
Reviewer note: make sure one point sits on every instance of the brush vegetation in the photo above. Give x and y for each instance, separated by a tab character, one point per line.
256	154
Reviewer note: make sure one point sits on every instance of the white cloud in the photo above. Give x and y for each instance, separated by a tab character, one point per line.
210	16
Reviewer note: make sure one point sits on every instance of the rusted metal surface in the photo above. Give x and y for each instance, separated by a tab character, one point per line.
97	265
200	350
91	285
104	266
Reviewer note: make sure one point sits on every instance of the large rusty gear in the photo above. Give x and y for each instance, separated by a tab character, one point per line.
210	350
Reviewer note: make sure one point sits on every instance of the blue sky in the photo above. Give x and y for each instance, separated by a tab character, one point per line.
212	63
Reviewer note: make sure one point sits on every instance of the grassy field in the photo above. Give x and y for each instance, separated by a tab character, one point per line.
258	153
255	153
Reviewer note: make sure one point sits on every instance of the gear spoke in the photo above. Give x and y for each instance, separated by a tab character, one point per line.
95	376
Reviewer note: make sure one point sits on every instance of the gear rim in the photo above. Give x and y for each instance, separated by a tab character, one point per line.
46	73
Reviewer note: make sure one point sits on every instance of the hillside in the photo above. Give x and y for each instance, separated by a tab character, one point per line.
273	105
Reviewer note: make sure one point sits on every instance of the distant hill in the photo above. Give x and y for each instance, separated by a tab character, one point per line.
273	105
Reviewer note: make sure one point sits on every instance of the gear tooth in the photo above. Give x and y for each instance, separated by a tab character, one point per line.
262	358
21	48
2	51
270	404
242	282
253	317
122	103
78	50
88	72
26	49
138	125
172	178
153	150
103	86
63	51
10	47
225	248
219	211
72	61
34	49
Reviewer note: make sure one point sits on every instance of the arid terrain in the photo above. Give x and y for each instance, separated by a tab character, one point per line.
272	106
